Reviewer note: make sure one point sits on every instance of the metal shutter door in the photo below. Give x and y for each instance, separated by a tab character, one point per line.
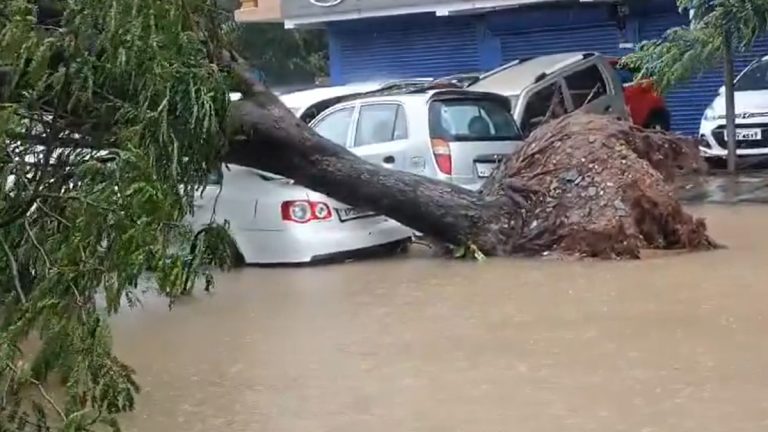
541	31
688	101
598	37
407	47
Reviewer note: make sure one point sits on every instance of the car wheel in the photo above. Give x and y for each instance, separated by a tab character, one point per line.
659	120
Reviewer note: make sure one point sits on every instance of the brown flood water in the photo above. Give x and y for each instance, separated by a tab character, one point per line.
674	343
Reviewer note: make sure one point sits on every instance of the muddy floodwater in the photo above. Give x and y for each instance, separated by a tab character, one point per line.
669	344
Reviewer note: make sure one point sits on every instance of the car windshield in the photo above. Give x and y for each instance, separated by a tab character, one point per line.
754	78
471	119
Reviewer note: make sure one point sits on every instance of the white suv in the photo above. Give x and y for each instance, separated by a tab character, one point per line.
751	99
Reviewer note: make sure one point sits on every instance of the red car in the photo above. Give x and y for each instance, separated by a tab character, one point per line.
645	105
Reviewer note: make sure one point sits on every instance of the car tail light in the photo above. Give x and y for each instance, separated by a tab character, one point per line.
442	152
321	210
303	211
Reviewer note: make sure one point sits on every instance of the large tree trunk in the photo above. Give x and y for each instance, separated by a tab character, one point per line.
582	184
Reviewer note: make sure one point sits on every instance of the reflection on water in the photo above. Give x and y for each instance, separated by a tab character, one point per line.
674	343
749	187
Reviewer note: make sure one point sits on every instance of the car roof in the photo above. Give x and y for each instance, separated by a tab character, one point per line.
299	101
513	77
304	98
426	92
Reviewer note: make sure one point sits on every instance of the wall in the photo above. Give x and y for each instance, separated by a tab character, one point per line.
259	11
317	11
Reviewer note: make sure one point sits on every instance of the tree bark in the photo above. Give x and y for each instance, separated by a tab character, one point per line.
582	184
730	105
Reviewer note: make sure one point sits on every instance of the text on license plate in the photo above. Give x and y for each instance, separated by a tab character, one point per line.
351	213
749	134
485	169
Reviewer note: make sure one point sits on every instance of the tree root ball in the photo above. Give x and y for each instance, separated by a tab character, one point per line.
594	186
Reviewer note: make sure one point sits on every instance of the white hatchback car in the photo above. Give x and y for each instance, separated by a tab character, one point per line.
273	221
450	134
751	100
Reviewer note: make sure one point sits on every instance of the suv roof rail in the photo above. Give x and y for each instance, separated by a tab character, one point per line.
462	79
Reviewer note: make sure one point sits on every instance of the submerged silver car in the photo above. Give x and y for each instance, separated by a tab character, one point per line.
454	135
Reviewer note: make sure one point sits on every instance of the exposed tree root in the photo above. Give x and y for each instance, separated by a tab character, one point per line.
598	187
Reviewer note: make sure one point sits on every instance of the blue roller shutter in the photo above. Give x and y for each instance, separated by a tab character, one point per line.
556	30
601	38
688	101
402	47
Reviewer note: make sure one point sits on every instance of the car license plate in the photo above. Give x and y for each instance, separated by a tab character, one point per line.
749	134
485	169
351	213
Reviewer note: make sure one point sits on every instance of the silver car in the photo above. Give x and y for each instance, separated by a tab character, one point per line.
450	134
273	221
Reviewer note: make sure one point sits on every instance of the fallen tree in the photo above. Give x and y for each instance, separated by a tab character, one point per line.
77	239
582	185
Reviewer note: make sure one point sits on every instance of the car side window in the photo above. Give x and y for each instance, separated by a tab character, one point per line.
586	85
335	126
545	103
380	123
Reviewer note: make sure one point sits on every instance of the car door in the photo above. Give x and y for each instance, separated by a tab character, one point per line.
588	88
335	124
543	102
381	134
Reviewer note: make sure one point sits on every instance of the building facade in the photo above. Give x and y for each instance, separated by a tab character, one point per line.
383	39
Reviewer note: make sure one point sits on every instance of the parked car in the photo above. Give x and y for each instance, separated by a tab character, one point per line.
450	134
751	100
307	104
646	106
273	221
570	80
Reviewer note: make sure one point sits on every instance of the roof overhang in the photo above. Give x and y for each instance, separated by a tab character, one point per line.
447	8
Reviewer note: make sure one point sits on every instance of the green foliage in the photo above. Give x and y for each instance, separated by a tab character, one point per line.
469	252
110	120
685	52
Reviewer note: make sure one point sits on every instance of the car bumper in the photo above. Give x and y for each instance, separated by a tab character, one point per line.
313	242
711	149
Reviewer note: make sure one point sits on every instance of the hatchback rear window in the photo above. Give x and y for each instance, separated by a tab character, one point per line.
471	120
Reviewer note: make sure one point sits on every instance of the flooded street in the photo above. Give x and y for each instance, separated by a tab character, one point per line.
428	345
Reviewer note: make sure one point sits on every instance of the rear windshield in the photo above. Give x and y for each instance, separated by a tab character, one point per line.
471	120
754	78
